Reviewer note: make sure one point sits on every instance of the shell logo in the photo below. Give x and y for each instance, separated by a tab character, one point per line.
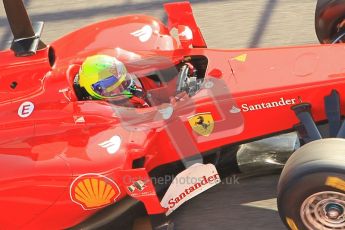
93	191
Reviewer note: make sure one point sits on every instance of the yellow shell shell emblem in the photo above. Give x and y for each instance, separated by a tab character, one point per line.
202	123
93	191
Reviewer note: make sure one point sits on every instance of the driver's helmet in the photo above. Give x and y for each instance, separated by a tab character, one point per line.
103	77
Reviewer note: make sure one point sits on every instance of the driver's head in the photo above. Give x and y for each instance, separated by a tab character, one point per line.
103	76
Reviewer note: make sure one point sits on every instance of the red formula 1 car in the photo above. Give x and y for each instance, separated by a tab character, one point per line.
71	162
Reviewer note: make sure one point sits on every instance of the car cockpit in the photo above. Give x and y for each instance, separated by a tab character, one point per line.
161	79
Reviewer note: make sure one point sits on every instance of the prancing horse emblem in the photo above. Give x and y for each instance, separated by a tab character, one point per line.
202	123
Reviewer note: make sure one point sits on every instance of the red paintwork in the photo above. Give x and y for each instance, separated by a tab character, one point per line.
41	155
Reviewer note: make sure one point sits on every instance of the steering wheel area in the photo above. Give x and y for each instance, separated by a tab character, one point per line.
187	80
182	80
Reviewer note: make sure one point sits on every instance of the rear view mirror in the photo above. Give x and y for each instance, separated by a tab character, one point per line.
185	36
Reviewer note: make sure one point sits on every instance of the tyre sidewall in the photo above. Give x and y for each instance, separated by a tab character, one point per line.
296	191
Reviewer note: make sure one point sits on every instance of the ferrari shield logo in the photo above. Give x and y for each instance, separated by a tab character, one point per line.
202	123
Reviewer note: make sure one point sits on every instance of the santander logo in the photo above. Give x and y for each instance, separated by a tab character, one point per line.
189	191
282	102
111	145
144	34
188	184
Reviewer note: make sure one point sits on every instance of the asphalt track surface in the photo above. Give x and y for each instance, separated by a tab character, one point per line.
239	203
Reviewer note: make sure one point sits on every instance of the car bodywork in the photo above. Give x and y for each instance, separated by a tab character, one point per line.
65	160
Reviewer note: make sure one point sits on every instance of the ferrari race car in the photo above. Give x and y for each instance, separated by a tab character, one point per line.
70	162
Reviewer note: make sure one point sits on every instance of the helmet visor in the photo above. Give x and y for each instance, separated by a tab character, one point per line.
109	86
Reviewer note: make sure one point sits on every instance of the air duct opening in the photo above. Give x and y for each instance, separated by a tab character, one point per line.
51	56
